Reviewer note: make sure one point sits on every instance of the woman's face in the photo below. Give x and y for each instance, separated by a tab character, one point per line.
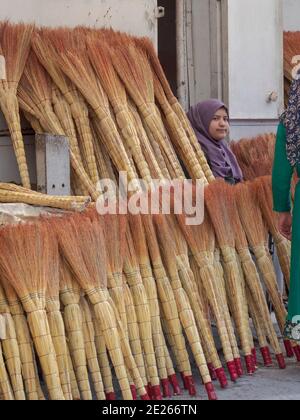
219	126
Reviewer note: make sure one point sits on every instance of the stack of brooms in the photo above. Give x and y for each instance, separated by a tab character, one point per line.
143	291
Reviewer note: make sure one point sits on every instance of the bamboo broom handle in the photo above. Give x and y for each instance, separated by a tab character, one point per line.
10	108
39	328
73	325
57	329
134	334
90	349
5	388
157	333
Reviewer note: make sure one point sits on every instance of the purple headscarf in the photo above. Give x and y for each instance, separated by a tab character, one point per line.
221	159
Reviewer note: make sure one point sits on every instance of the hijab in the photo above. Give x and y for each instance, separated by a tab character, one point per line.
221	159
291	120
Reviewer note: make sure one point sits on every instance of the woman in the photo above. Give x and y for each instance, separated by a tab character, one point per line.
210	120
287	159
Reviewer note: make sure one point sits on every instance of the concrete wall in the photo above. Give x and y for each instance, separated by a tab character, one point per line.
133	16
291	15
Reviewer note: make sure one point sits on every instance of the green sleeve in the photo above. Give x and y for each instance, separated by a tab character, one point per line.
282	174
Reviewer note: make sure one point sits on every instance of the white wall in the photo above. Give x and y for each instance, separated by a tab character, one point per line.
291	15
133	16
255	58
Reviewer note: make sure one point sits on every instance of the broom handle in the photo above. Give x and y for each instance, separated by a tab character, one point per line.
39	328
10	108
5	388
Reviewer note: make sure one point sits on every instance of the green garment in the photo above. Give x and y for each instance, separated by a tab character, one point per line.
282	177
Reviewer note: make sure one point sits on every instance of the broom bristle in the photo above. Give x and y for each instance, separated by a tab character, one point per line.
15	42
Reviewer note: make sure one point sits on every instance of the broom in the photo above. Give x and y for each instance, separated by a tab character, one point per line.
146	45
223	295
27	356
100	57
103	359
10	349
34	95
263	189
133	331
254	227
139	239
90	349
55	319
251	275
14	47
5	387
184	309
45	47
198	240
134	70
20	244
178	134
219	213
74	63
168	303
189	284
91	274
134	279
70	297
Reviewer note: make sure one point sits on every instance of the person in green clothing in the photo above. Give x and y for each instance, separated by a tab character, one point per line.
286	161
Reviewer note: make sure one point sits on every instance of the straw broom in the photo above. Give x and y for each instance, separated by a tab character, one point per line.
146	45
74	385
139	239
167	300
90	349
44	45
178	134
133	331
103	359
10	349
70	297
198	240
5	387
184	309
219	214
20	244
14	46
100	57
251	275
133	68
35	97
263	189
74	63
27	356
189	284
134	279
254	227
55	319
148	152
91	274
